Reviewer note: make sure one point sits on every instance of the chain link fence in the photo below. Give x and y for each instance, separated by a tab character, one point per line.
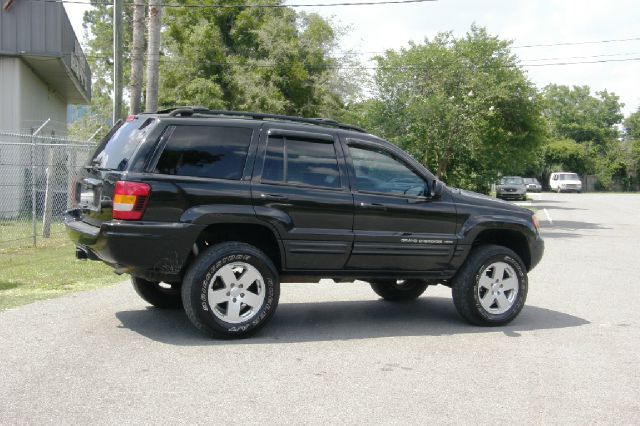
36	185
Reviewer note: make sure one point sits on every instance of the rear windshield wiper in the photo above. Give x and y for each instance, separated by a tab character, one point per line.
91	167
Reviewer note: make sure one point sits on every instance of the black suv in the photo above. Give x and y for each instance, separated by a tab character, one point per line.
212	210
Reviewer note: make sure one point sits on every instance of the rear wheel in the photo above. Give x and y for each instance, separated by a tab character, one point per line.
399	290
231	290
491	287
160	295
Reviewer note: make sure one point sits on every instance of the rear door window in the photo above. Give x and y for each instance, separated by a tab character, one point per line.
206	151
301	161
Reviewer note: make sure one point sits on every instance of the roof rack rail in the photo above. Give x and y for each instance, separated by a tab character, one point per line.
189	111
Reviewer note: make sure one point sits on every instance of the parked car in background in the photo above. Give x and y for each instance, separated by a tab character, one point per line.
565	181
511	187
532	184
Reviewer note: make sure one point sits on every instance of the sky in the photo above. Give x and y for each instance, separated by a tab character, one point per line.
525	22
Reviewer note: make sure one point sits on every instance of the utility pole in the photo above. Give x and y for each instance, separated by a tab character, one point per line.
153	55
117	60
137	56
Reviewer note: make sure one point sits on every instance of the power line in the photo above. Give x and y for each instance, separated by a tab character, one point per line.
570	43
248	5
581	62
358	67
575	43
560	58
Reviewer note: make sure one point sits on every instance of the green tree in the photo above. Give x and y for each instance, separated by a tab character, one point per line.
461	106
632	126
264	59
575	114
567	155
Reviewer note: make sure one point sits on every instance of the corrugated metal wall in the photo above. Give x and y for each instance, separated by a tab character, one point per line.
32	27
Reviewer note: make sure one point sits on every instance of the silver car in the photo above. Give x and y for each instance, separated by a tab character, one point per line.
511	187
533	185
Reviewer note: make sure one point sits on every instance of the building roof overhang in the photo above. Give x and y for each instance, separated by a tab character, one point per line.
40	33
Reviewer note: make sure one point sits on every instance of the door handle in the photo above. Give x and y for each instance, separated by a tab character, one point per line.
373	206
274	197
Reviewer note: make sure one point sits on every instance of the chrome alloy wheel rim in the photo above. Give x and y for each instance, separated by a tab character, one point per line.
236	292
498	288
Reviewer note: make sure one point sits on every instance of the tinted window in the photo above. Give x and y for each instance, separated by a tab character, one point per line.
377	171
206	151
301	161
274	160
116	149
509	180
569	176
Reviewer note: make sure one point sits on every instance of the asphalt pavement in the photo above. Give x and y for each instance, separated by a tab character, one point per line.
335	353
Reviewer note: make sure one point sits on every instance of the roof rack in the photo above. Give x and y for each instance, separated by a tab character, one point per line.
191	111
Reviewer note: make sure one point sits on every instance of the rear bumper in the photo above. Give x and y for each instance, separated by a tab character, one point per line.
152	250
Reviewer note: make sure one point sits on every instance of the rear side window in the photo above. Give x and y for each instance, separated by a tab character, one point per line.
206	151
117	148
301	162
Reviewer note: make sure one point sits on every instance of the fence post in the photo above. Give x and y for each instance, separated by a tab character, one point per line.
33	179
48	195
71	171
33	187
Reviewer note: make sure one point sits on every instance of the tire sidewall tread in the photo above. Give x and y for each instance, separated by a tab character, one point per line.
199	274
464	288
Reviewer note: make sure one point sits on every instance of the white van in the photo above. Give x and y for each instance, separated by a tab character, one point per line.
564	181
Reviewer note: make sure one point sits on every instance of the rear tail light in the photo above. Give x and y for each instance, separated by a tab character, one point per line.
130	200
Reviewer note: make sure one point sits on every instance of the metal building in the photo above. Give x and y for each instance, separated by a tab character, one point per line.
42	70
42	66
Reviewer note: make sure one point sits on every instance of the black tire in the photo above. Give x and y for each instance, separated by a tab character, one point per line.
467	290
399	291
164	296
201	278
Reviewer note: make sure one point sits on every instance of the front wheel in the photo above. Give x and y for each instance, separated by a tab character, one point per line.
491	287
231	290
399	290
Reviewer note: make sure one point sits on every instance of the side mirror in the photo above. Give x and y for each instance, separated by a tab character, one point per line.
436	188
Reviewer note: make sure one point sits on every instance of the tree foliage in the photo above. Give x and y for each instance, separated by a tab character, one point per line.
261	59
567	155
461	106
264	59
575	114
632	127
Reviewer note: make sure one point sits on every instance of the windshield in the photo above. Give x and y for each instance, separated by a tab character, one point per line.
568	176
116	149
511	181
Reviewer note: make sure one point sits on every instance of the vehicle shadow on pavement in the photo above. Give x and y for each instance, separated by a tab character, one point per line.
542	206
344	320
567	228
